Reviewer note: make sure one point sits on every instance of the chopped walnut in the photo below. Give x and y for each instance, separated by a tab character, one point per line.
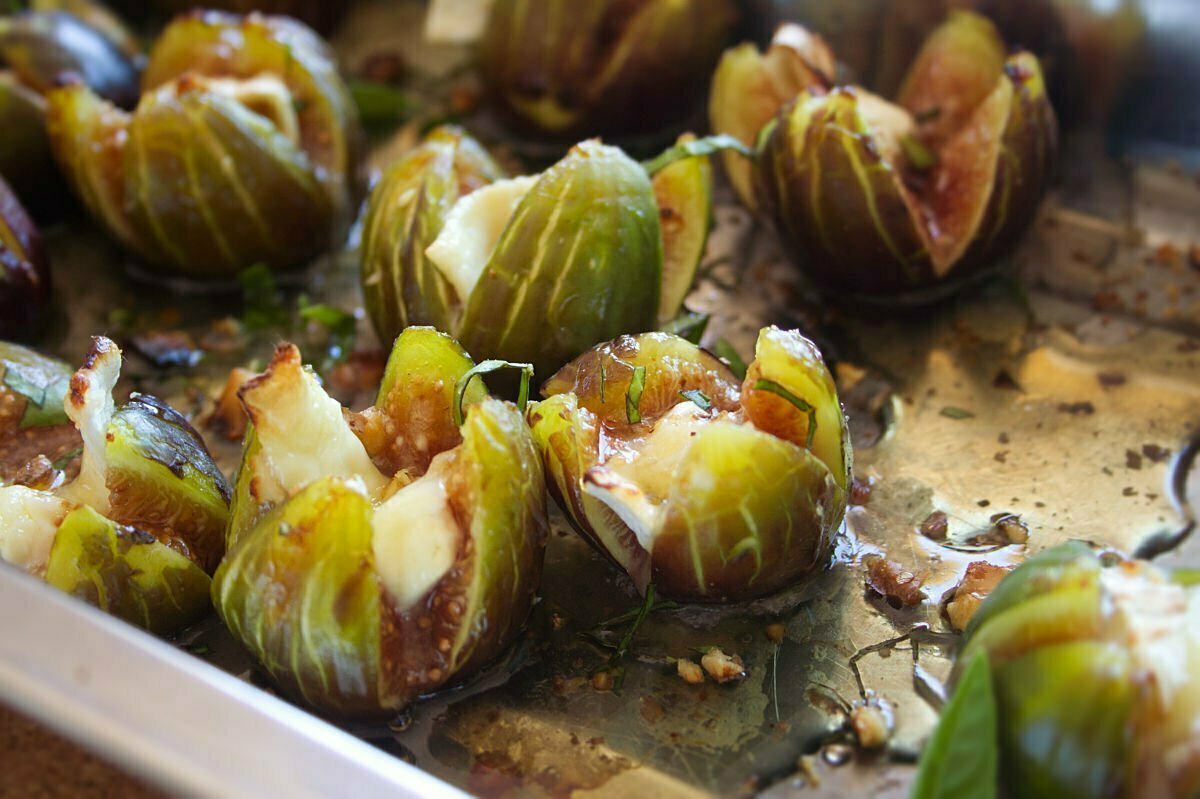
899	586
871	724
689	671
722	667
977	583
38	473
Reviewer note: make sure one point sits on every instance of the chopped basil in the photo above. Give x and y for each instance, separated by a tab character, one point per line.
45	399
689	326
694	148
725	351
950	412
261	308
804	407
699	397
920	157
633	397
460	388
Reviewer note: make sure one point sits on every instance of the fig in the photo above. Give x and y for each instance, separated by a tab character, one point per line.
534	269
24	270
685	476
1094	677
908	201
237	154
564	70
749	87
386	553
141	527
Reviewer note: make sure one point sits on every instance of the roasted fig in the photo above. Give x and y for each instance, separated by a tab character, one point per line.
906	201
322	15
42	48
532	269
55	41
141	527
384	554
25	158
750	87
236	154
24	270
711	488
566	70
1094	676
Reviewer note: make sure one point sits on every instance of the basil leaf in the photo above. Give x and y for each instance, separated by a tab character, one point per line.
44	407
694	148
961	759
951	412
261	308
725	351
699	397
633	397
689	326
774	388
460	388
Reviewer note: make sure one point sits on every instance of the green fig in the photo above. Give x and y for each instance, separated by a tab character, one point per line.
141	527
386	553
658	460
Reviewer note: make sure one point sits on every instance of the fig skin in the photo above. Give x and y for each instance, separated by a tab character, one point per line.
25	289
306	586
728	509
141	527
1093	670
905	202
564	70
160	179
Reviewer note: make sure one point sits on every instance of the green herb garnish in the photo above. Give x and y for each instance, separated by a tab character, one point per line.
950	412
380	105
261	308
44	406
694	148
486	367
633	397
920	157
727	353
689	326
961	759
772	387
699	397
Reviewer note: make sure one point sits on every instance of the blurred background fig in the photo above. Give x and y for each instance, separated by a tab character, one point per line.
749	87
322	15
533	269
386	553
566	70
25	292
1094	676
711	488
140	528
267	122
908	200
51	42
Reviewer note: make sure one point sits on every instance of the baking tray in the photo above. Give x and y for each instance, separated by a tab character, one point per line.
1065	390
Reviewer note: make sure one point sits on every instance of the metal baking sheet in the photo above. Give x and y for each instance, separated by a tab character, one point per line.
1066	391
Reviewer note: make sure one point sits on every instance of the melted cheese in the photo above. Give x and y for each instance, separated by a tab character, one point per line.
29	520
416	538
472	230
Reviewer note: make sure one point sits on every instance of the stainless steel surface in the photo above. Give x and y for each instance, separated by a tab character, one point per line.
173	719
